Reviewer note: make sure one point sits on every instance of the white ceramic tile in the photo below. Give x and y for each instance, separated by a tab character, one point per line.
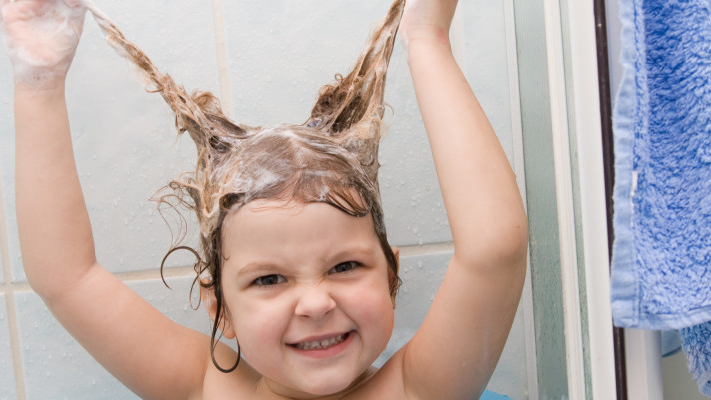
7	373
55	365
282	52
422	276
175	302
124	138
510	376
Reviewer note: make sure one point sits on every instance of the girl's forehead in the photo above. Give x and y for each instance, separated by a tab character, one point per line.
274	225
285	207
291	213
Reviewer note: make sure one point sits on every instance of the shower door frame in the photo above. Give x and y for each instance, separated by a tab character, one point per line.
575	123
575	84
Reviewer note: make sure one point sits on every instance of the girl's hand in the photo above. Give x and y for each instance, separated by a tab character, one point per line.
426	20
41	38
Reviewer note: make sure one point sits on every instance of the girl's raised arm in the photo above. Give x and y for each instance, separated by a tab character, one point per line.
152	355
453	354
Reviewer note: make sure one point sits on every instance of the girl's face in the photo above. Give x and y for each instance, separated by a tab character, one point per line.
306	287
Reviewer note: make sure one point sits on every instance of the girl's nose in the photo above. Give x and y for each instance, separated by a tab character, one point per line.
315	302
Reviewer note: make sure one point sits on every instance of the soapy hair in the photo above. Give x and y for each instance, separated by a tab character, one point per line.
332	158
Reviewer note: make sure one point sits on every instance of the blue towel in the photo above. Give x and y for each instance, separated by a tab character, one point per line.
697	347
661	264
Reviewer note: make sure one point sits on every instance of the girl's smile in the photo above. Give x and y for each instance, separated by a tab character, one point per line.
323	347
307	294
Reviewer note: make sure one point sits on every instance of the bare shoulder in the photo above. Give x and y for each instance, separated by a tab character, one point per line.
238	384
384	383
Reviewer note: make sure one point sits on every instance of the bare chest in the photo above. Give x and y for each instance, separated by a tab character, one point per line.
221	386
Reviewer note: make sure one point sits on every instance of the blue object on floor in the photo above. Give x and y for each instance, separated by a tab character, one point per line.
488	395
661	264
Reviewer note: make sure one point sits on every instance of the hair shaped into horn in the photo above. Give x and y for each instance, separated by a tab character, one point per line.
351	109
198	113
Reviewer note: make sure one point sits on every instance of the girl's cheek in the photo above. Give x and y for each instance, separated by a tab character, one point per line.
373	304
261	318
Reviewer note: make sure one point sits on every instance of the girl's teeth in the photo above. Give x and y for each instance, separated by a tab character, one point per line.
321	344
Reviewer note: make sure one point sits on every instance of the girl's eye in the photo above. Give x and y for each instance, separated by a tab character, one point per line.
269	280
344	267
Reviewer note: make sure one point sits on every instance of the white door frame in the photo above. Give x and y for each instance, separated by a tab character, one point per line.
579	95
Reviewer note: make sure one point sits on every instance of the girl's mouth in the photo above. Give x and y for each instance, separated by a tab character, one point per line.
323	343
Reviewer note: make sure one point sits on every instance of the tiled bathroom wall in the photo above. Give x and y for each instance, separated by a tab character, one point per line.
267	60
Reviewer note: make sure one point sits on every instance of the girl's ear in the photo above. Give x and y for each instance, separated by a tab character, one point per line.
210	302
396	251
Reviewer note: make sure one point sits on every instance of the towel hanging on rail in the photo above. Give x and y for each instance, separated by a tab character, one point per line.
661	264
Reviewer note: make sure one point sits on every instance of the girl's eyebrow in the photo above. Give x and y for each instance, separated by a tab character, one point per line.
350	253
257	267
340	255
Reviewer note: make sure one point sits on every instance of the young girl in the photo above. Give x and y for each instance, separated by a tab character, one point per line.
294	262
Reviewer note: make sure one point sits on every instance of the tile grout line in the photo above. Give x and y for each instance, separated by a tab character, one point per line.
424	249
188	271
223	70
10	304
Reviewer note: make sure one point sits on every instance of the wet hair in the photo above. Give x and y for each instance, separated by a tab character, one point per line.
332	158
